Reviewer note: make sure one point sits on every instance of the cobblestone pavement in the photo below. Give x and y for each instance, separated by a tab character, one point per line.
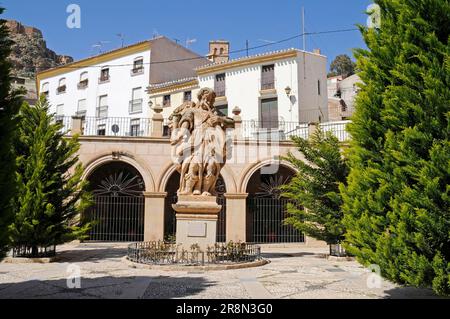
292	273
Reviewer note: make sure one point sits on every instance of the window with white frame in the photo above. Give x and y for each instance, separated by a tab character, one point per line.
84	80
138	66
82	107
61	86
59	113
102	109
166	100
136	101
104	75
45	88
187	96
219	84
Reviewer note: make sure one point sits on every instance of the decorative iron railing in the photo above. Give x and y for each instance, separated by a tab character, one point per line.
249	130
116	126
339	129
284	131
161	253
66	122
273	131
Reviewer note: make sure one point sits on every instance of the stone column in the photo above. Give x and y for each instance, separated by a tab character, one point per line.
157	122
77	125
237	123
154	216
236	217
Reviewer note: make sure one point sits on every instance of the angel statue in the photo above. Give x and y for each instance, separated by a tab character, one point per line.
199	144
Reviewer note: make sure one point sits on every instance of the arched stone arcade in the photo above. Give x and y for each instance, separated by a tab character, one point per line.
158	195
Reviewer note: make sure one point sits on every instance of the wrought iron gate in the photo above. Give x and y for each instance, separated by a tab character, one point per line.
117	219
265	222
221	223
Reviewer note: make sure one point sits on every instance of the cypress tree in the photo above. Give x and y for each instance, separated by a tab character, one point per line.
316	208
397	200
10	101
51	193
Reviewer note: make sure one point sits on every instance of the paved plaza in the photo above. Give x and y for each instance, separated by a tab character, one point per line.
296	273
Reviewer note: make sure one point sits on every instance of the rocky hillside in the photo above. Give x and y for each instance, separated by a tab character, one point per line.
30	53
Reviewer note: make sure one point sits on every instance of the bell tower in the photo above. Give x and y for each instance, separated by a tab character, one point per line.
219	51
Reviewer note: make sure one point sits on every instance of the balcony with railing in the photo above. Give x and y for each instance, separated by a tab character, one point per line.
104	78
61	89
137	70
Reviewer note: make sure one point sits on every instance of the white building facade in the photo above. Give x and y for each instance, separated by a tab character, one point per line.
278	93
109	91
283	86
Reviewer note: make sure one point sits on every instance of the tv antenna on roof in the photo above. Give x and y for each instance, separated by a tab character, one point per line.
122	37
99	45
190	41
267	41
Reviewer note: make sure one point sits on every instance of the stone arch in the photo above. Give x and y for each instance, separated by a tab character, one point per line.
105	159
253	168
227	175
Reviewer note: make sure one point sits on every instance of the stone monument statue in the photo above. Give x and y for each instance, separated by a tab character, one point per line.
199	144
199	149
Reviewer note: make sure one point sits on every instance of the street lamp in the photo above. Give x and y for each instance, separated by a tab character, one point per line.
288	91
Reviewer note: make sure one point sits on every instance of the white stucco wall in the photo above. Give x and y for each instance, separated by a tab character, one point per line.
119	88
243	88
311	69
349	90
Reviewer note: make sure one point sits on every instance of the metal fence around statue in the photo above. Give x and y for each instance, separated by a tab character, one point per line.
162	253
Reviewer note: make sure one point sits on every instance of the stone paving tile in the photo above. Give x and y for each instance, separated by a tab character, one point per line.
292	273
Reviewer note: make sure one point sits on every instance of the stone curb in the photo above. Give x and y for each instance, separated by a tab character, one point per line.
254	264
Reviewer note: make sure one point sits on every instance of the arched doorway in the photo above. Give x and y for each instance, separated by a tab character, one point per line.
170	222
266	210
118	211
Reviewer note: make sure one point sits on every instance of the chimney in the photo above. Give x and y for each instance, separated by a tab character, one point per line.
317	51
219	51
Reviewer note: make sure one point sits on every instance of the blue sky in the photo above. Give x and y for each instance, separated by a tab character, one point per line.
257	21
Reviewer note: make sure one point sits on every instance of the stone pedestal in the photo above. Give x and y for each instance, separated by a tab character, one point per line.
197	221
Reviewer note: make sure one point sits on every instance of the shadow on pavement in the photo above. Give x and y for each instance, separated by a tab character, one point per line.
87	254
288	255
411	293
107	288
